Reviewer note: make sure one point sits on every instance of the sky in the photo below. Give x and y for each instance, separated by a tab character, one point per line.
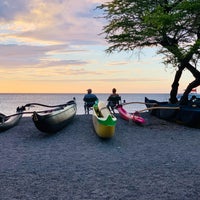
55	46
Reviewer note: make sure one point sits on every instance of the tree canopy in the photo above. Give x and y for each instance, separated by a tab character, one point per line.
172	25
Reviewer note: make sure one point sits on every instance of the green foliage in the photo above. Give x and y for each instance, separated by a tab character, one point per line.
174	25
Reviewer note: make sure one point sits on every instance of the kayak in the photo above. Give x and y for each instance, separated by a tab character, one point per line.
103	121
135	117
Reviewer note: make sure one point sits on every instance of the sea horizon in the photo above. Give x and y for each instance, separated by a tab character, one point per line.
10	101
82	93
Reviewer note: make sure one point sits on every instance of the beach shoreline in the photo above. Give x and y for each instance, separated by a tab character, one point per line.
157	161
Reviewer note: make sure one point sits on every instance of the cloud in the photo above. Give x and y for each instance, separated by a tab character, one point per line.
9	9
33	32
35	56
59	40
68	21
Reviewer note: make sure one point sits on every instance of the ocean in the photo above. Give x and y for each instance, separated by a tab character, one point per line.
9	102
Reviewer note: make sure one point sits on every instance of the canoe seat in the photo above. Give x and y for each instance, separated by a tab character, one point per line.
103	109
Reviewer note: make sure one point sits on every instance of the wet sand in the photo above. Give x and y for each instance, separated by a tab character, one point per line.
158	161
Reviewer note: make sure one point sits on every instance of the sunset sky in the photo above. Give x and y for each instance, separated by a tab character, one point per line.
55	46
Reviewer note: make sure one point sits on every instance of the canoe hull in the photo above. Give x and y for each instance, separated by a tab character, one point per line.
56	120
186	115
189	116
10	122
104	122
103	131
167	113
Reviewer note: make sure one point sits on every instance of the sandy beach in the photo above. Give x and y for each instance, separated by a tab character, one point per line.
157	161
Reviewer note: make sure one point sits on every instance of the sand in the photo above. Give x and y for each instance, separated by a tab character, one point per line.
157	161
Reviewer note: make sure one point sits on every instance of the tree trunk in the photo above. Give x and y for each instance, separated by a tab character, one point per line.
174	90
175	85
193	84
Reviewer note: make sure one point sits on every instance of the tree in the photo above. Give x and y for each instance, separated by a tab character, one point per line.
171	25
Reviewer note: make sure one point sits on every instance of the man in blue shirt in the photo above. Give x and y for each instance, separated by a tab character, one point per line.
89	100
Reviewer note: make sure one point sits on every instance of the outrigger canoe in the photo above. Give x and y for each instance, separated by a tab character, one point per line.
188	115
7	122
162	110
135	117
54	120
103	121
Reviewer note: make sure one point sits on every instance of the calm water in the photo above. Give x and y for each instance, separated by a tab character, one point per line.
9	102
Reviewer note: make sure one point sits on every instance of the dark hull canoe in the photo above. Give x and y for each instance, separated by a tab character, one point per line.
186	114
7	122
55	120
189	116
163	110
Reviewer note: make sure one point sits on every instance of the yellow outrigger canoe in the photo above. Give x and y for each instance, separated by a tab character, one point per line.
104	122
